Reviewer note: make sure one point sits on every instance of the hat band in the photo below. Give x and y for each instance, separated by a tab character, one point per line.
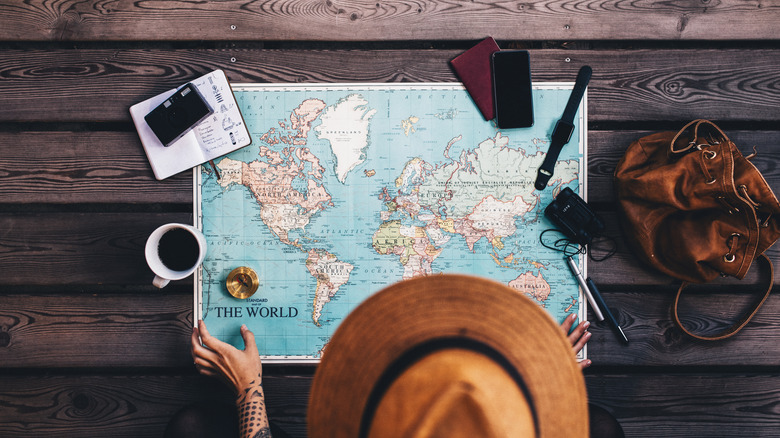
415	354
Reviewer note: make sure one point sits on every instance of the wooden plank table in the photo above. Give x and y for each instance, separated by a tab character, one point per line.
89	348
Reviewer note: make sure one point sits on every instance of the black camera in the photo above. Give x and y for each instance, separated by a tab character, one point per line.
572	215
178	114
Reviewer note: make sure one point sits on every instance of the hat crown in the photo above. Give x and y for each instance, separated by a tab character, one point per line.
407	317
453	393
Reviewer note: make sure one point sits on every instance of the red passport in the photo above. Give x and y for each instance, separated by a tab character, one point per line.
473	69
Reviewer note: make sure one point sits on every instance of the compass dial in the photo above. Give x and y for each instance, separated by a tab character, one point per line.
242	282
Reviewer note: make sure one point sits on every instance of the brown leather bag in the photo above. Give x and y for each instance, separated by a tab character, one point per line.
692	206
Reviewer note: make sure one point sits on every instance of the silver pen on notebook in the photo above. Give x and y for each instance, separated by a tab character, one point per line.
576	271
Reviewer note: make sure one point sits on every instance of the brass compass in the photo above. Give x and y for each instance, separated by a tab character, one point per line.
242	282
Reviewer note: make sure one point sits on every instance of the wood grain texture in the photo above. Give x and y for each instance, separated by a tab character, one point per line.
646	405
654	339
93	331
696	405
129	406
363	20
105	167
89	348
78	248
91	249
94	85
83	167
43	331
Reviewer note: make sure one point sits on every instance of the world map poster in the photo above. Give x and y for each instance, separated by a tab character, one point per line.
348	188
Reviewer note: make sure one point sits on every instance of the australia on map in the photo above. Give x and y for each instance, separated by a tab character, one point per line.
347	189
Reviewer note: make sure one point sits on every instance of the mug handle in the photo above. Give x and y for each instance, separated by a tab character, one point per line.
160	282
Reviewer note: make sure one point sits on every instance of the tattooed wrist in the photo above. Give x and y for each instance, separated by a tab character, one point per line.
253	389
252	416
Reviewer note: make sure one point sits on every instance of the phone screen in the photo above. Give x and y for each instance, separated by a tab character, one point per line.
512	89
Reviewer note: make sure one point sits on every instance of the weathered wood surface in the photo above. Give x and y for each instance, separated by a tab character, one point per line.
105	248
78	167
78	248
335	20
655	341
690	405
89	348
647	405
129	405
99	85
99	330
109	167
152	330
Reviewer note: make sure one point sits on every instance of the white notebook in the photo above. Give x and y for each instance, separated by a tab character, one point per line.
222	132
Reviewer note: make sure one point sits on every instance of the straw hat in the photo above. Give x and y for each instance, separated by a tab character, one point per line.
452	356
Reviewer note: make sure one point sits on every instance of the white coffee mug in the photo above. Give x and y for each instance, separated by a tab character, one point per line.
163	274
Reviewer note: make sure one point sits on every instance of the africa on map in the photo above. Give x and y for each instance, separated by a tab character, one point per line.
348	188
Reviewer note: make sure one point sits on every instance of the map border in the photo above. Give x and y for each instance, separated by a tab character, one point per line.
582	146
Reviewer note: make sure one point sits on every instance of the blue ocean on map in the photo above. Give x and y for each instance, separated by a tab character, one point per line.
346	189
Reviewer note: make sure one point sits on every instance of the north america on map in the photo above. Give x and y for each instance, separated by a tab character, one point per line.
346	190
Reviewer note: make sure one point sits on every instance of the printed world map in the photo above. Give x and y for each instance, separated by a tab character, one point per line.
347	189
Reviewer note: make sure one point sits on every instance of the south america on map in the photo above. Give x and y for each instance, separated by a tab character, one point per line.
347	189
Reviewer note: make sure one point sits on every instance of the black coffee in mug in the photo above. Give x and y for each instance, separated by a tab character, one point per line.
178	249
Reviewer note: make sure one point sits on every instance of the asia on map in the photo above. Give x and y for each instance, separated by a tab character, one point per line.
348	188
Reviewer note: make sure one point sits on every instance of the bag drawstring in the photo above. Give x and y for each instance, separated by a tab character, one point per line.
743	189
725	203
732	243
751	156
765	223
707	155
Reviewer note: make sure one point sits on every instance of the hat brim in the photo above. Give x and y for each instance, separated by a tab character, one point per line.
419	311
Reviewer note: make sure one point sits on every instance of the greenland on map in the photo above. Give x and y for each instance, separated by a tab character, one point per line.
348	188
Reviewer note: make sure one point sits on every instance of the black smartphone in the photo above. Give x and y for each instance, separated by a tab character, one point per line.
512	95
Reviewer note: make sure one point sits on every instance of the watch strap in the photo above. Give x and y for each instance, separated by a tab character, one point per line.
564	128
581	83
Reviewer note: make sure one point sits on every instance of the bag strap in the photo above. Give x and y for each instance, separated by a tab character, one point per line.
734	329
699	123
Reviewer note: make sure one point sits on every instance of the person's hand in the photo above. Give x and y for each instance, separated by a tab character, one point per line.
578	337
239	369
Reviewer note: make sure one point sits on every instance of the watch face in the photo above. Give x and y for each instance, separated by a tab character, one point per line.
562	132
242	282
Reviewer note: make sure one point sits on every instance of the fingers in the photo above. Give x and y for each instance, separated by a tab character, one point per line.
578	332
220	348
568	323
203	364
206	370
208	373
195	346
578	337
205	336
194	340
580	342
250	346
198	351
217	352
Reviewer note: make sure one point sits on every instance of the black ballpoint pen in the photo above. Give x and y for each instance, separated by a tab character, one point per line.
605	310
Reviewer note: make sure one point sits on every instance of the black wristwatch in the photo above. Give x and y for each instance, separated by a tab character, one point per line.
564	128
